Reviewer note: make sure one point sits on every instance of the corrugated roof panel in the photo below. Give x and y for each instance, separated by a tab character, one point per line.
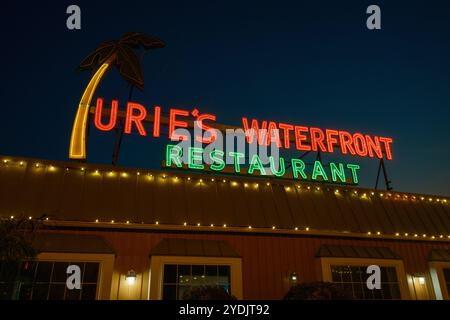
71	243
441	255
283	210
75	194
334	251
298	216
193	247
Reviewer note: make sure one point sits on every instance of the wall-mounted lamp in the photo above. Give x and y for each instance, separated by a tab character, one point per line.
293	277
420	278
131	277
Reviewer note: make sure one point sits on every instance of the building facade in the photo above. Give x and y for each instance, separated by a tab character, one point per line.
146	234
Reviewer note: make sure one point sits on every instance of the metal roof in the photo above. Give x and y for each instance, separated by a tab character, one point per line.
439	255
70	191
193	247
356	252
70	243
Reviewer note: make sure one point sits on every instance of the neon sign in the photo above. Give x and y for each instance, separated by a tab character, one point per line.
264	133
337	172
284	136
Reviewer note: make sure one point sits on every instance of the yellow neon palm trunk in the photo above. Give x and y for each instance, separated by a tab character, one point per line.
77	148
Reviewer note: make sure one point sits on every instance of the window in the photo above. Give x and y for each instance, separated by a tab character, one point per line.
46	280
178	278
353	280
351	274
446	272
171	276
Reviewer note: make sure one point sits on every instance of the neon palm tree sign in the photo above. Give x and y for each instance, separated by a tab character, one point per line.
121	55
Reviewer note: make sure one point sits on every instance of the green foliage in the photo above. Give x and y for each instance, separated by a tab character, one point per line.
16	246
16	236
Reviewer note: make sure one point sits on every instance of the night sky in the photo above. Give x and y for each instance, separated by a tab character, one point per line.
310	63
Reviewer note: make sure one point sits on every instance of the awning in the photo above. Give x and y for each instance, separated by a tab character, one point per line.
195	248
71	243
331	251
439	255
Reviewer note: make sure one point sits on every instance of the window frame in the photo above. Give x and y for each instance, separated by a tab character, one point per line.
106	266
157	272
327	262
438	279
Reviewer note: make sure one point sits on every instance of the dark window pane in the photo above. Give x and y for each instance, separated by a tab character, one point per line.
44	271
170	273
226	287
358	291
27	271
6	290
384	275
57	292
198	270
184	270
73	294
348	288
336	273
181	291
224	271
25	291
368	294
8	271
395	291
88	291
211	270
346	274
391	274
90	272
446	274
40	291
169	292
377	293
59	272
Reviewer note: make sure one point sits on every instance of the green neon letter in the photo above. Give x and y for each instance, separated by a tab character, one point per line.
236	156
337	172
353	168
195	155
173	153
217	157
281	170
319	171
298	167
256	164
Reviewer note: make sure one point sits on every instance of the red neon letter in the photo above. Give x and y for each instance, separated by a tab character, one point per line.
346	142
250	133
273	134
360	144
211	131
173	123
330	139
157	122
387	148
317	138
374	145
286	136
112	115
136	119
299	137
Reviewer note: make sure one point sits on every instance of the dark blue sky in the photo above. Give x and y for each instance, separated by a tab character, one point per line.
303	62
